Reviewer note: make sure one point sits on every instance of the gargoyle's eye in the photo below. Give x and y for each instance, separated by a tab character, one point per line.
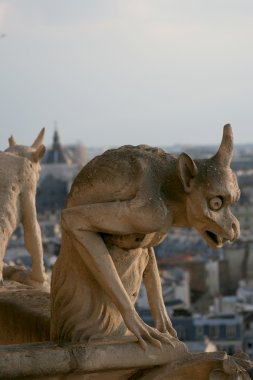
215	203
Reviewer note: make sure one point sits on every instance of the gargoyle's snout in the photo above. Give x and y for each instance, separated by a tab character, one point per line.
234	231
228	232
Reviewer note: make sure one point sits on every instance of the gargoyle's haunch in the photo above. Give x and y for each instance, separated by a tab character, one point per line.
121	204
19	173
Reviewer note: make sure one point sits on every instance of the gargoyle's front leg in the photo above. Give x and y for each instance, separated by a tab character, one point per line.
154	292
143	214
5	234
32	236
95	254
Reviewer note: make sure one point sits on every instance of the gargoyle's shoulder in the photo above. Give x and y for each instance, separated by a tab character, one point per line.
143	148
137	152
10	161
129	159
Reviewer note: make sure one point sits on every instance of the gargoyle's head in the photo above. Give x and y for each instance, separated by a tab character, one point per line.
34	152
211	187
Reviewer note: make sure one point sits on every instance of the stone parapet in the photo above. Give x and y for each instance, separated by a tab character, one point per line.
117	360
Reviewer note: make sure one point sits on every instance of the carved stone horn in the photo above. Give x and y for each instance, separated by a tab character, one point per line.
38	141
12	141
225	151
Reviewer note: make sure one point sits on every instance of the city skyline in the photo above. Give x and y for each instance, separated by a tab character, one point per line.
126	72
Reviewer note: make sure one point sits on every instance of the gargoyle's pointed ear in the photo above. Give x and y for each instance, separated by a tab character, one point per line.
12	141
39	153
187	170
225	151
38	141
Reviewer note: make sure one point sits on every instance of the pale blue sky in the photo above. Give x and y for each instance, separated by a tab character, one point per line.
114	72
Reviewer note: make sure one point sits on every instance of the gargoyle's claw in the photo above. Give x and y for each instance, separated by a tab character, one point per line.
142	343
164	338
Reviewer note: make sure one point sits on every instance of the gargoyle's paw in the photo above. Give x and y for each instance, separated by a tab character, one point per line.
172	336
39	285
151	336
151	340
166	327
40	278
142	343
155	342
164	338
172	332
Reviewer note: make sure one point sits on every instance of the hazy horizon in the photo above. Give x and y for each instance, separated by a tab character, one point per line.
115	72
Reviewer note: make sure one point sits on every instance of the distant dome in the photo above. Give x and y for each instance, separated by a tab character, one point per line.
56	154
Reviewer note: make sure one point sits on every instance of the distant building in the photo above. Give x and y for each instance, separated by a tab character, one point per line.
56	154
175	289
58	170
51	194
225	330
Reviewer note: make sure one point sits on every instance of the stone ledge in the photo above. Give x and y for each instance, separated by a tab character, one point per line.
48	359
119	360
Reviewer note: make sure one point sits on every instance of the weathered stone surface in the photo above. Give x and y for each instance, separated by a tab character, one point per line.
97	357
24	314
109	361
202	366
120	205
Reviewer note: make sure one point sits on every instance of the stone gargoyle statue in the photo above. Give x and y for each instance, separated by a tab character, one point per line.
121	204
19	174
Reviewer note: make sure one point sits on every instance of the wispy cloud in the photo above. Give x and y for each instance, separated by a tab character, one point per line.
124	66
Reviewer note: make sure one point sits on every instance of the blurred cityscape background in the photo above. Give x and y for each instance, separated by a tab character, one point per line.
207	292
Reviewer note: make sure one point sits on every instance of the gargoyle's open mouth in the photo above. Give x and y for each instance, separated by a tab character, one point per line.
213	236
214	239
